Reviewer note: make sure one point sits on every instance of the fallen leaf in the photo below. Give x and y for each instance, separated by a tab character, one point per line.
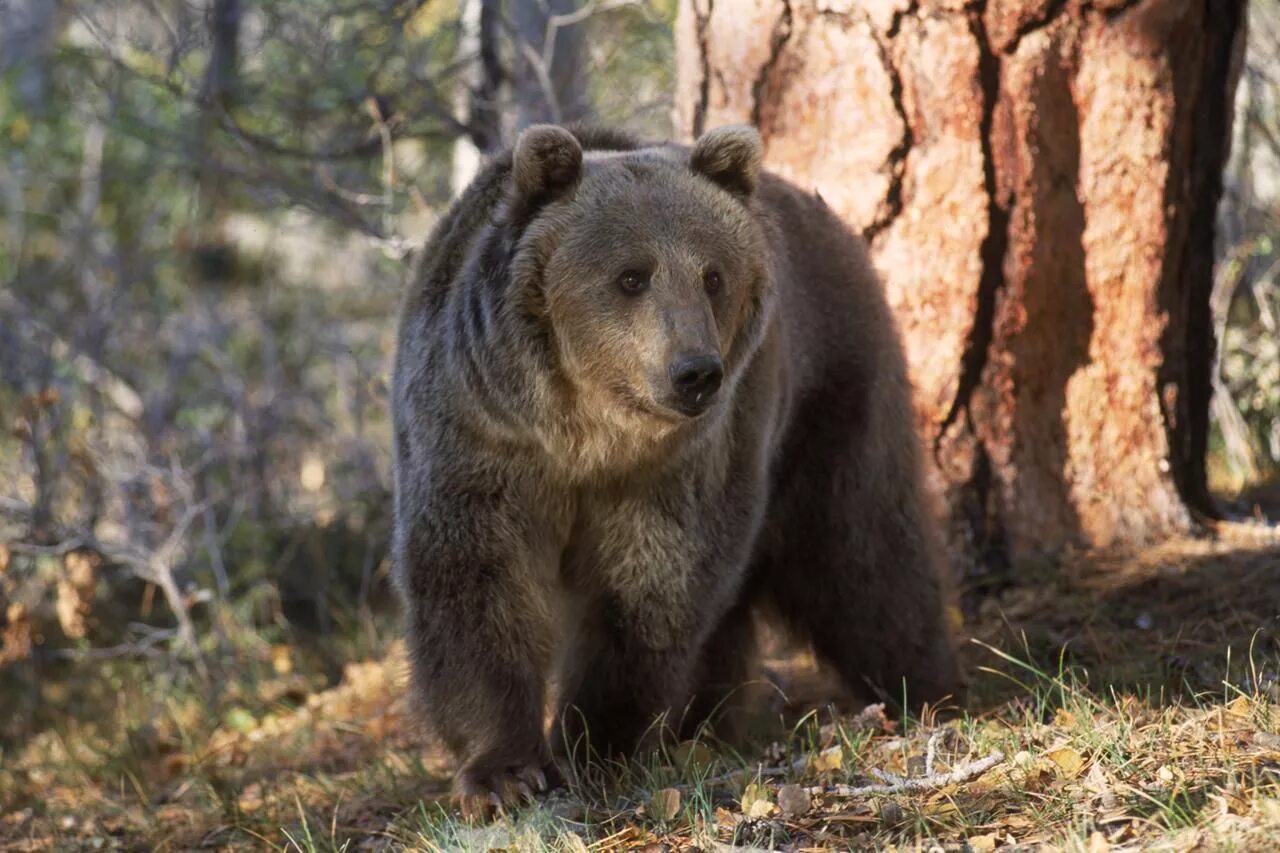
1018	822
693	755
1096	780
828	759
240	720
1098	843
16	639
942	805
251	798
665	804
1069	762
755	801
1232	802
281	659
982	843
1064	719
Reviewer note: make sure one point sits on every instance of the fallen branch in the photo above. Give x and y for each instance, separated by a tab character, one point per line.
963	773
931	753
887	777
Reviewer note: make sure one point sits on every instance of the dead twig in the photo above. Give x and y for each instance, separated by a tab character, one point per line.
886	777
963	773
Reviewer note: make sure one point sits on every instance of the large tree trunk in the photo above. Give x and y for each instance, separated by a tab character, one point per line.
1037	180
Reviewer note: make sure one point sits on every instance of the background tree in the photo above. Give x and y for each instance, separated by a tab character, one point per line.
203	209
549	83
1246	298
1038	183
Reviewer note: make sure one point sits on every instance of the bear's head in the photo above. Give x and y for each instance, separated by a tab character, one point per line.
648	267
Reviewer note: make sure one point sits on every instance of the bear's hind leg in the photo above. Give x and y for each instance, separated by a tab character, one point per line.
726	674
853	567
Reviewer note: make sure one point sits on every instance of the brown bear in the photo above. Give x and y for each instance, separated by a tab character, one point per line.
641	394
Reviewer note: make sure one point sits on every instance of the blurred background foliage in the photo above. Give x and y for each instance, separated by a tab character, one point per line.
206	209
1246	298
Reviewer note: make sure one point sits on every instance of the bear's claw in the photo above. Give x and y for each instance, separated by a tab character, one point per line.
482	794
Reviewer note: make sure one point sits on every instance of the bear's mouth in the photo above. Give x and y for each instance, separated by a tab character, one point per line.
669	412
690	409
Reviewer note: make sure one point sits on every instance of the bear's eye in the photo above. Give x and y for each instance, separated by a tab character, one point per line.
711	281
633	282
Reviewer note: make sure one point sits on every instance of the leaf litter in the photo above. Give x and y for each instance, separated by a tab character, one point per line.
1088	730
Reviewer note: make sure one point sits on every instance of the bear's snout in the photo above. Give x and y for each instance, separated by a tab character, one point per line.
695	379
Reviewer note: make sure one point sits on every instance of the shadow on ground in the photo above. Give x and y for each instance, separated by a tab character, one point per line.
1176	620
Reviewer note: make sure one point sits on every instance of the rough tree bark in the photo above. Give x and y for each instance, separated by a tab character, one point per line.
1037	180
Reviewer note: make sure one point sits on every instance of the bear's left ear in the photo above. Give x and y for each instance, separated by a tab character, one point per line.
546	164
731	157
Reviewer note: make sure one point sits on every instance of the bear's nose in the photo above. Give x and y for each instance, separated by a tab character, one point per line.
696	378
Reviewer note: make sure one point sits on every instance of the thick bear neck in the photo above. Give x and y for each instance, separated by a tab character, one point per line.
496	357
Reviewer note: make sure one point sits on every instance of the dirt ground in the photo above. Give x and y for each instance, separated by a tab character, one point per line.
1131	701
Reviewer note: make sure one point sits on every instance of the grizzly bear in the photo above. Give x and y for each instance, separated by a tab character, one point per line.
643	393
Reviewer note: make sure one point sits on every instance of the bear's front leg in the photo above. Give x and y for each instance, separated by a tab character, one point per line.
472	562
658	573
627	686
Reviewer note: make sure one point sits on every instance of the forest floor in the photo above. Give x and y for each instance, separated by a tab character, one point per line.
1117	704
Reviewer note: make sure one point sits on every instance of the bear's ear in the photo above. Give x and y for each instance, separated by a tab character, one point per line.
546	164
731	157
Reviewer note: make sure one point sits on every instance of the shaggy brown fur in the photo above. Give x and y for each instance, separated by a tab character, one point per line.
641	394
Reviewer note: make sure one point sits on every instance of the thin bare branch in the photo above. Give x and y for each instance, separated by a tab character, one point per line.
933	781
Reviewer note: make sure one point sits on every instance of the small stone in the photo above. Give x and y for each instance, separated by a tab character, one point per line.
793	800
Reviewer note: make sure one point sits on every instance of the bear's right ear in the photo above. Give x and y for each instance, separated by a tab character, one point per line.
731	157
547	163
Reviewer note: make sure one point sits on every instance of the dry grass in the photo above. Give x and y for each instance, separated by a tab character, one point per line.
1135	702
